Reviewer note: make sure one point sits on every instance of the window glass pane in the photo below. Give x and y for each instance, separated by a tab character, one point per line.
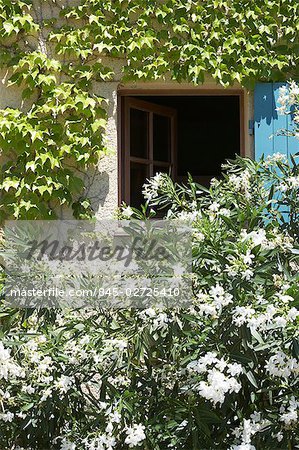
139	174
163	169
208	134
161	137
138	133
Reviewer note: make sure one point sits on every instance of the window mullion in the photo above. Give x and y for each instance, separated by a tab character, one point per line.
151	143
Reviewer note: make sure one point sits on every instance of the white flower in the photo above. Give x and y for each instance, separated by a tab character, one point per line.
63	383
84	340
285	298
248	258
7	417
283	99
208	309
8	368
281	365
214	207
276	157
241	183
243	447
248	429
247	274
4	395
161	321
293	182
127	212
217	291
28	389
135	435
294	93
67	445
224	212
235	369
46	394
280	322
200	237
109	428
220	297
119	344
189	216
218	383
256	237
115	417
217	386
293	314
153	185
242	314
290	415
279	436
45	364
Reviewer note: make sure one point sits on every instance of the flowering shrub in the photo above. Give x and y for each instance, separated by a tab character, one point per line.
289	97
222	374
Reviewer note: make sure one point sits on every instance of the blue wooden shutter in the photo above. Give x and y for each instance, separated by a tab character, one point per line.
268	122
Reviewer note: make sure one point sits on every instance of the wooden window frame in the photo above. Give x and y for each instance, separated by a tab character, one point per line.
150	162
122	115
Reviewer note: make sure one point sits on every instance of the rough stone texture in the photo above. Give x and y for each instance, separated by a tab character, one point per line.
104	187
102	182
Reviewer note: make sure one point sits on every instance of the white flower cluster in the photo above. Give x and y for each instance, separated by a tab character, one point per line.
240	265
274	240
241	183
220	377
63	384
8	368
272	160
283	100
67	445
289	415
248	429
187	216
135	435
153	185
289	98
266	316
281	365
212	303
256	237
289	183
215	209
127	212
101	442
156	318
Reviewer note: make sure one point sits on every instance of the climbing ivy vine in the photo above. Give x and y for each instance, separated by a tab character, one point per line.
56	50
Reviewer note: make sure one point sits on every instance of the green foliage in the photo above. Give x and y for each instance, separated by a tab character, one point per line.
230	40
46	149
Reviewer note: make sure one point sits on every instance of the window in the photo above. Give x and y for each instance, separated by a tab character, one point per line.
178	135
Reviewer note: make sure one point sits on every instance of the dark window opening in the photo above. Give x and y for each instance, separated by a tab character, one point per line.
177	135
